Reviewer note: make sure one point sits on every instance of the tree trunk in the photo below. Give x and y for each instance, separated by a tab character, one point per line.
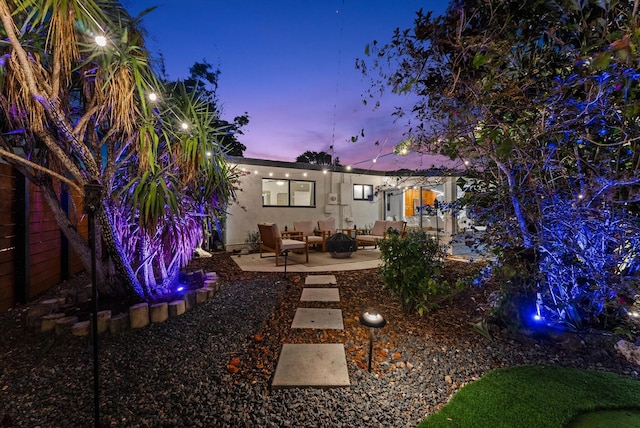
130	283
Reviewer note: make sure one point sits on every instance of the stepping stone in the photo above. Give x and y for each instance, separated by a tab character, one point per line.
317	365
320	280
318	318
320	295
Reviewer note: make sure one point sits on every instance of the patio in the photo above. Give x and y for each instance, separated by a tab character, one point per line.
318	262
367	258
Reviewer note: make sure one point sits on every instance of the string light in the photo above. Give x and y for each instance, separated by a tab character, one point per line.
101	41
184	126
153	96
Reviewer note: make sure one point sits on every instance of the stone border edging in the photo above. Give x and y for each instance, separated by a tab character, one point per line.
45	317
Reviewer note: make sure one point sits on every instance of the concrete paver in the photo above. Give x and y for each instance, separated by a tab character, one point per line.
319	365
318	318
320	295
320	280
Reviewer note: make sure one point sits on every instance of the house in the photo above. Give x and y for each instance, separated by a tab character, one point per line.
283	192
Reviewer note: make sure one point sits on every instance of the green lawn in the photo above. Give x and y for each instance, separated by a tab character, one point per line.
541	397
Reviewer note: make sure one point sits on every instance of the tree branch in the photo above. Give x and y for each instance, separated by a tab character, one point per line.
35	166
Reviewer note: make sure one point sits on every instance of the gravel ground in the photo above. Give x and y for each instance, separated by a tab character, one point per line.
212	366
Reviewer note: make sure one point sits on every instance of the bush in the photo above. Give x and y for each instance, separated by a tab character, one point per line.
590	261
411	268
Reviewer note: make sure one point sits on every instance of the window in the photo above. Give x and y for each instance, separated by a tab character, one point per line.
363	192
288	193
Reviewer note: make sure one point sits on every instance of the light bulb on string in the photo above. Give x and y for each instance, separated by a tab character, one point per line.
101	41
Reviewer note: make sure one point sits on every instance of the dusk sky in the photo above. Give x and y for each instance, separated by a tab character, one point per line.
291	66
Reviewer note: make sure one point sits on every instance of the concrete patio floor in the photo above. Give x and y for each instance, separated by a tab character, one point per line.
368	258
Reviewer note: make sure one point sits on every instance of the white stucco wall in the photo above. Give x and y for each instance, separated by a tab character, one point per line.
245	215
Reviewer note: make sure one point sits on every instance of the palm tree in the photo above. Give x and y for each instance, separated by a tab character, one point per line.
80	113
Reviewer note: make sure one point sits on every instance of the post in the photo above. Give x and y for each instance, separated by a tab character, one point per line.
92	202
370	346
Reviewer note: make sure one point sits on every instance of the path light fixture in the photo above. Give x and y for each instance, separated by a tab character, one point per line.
373	320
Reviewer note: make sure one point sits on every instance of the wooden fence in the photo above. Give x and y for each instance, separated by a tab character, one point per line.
34	254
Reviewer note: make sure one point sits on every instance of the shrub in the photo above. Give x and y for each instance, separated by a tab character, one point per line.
411	268
590	261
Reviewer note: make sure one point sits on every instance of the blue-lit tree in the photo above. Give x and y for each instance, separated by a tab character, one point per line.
81	104
541	100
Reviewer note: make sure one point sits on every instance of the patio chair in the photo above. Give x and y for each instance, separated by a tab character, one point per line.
326	228
308	234
379	232
271	241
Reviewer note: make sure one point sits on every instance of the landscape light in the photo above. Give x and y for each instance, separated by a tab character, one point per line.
153	96
373	320
537	316
184	126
